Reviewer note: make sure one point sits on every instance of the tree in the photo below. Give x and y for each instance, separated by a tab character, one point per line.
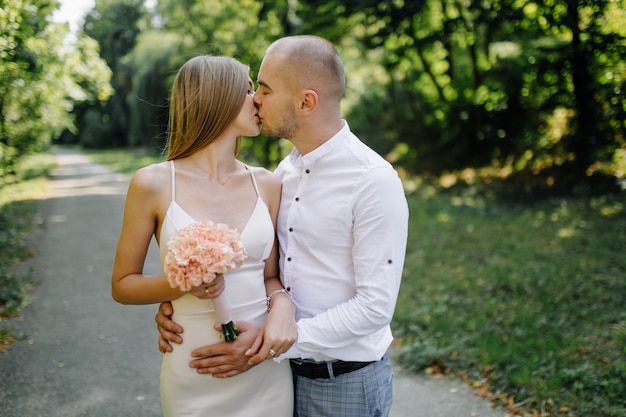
594	52
115	25
515	85
42	79
152	64
437	102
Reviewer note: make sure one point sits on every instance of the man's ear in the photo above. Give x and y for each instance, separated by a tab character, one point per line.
310	100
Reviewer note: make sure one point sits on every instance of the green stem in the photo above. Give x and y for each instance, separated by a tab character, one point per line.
230	332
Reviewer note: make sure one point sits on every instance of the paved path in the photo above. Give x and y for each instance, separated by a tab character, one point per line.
80	354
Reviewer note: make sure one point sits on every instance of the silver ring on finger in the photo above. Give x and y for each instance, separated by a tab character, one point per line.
272	352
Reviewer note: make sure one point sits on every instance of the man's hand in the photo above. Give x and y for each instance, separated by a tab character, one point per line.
169	332
224	360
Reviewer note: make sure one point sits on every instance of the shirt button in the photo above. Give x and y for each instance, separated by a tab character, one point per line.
297	198
289	259
291	229
308	171
288	289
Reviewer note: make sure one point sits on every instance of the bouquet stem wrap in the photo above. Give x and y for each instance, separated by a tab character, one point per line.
199	252
222	308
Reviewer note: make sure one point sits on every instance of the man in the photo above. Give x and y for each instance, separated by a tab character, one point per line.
342	232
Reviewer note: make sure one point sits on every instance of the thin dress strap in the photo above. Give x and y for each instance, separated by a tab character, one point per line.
256	187
173	173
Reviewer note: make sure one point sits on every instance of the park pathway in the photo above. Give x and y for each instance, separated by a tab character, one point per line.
80	354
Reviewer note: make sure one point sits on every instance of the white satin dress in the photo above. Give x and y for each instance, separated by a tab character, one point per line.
264	390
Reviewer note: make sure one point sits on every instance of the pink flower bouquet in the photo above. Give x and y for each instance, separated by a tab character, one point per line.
196	254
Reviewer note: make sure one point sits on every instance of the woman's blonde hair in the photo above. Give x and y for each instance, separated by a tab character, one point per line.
207	95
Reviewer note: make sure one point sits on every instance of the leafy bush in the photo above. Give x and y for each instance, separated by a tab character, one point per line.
15	221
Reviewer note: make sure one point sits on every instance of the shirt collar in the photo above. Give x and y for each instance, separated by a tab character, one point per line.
297	159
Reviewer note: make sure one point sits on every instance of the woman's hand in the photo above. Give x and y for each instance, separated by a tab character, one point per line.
211	290
278	333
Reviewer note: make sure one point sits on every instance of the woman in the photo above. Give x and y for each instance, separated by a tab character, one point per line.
211	108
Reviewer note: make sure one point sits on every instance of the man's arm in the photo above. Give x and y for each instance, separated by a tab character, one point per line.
379	232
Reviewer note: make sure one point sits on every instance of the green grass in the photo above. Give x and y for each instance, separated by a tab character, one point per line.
18	211
524	299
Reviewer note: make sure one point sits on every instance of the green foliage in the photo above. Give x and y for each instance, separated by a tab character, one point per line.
153	64
115	25
187	29
13	295
526	298
42	79
523	86
240	29
434	86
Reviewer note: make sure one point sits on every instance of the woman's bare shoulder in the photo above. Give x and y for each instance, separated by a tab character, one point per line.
152	177
270	186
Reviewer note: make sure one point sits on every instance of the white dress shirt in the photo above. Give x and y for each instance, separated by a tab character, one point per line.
342	229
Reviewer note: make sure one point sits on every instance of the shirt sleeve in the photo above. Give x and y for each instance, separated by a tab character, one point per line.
380	224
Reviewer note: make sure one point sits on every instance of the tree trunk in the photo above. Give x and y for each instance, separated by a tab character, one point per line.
584	135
